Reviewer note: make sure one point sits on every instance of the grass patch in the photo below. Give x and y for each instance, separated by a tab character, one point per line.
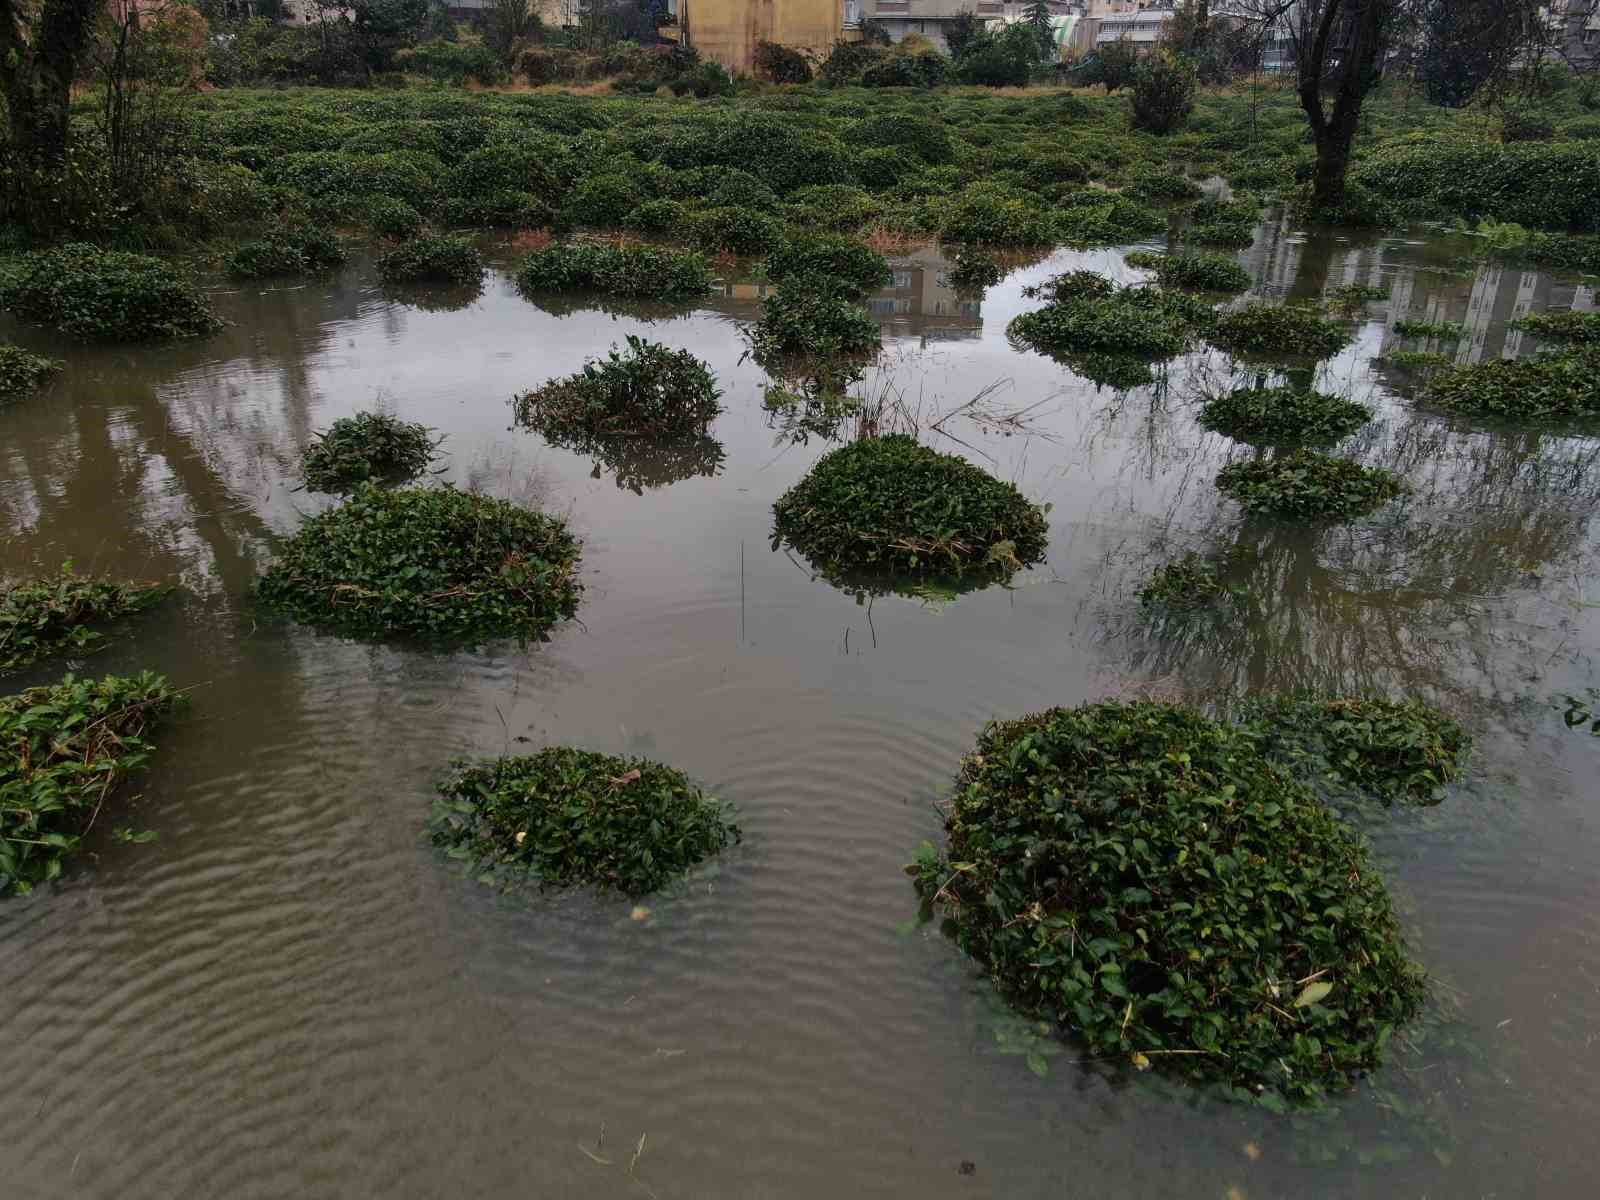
1310	486
1269	329
434	565
1575	328
1548	387
22	371
1196	272
45	617
105	295
1145	878
440	259
891	505
368	447
649	389
632	272
1284	416
294	250
567	817
64	749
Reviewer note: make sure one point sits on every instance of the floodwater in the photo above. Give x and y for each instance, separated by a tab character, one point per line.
289	993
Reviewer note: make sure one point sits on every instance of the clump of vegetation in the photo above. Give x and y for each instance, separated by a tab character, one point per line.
292	250
852	264
975	271
735	230
1144	877
105	295
1163	92
1088	316
1103	219
1197	272
45	617
63	750
811	316
1418	360
986	214
1402	751
1429	329
368	447
1189	581
441	259
650	389
1307	485
1351	299
22	371
1549	386
391	218
891	505
633	272
1284	416
1577	328
566	817
1270	329
429	564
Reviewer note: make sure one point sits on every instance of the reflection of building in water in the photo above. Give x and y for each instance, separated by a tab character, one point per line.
1273	260
919	300
1496	295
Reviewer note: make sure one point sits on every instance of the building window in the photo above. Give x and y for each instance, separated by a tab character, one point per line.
902	279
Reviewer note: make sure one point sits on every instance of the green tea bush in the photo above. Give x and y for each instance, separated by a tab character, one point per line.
1156	184
1163	93
634	272
649	389
1189	581
537	163
22	371
733	188
42	618
1144	877
290	250
657	216
105	295
1284	416
1197	272
391	218
834	206
891	505
63	750
602	201
974	271
1106	220
1269	329
1576	328
985	214
1308	486
813	316
438	259
927	139
854	265
1403	751
1429	329
1084	317
434	565
567	817
503	209
368	447
1541	185
743	231
1548	387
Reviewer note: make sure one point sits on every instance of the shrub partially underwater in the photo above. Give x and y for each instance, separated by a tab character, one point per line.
22	371
1270	329
46	617
63	750
650	389
433	260
1576	328
105	295
566	817
1546	387
1144	877
1284	416
1194	271
889	505
859	268
293	250
633	272
811	316
1188	581
368	447
1307	485
1089	314
434	565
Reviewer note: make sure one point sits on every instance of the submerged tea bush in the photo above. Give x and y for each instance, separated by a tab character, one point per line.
1270	329
293	250
889	504
1390	750
1550	386
22	371
1284	416
430	564
432	260
44	617
735	230
105	295
1308	485
1144	877
1198	272
366	447
812	316
1086	316
1429	329
833	255
1189	581
650	389
635	272
974	272
63	750
1577	328
567	817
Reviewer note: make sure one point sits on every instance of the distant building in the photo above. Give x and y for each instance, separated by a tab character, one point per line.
931	18
727	31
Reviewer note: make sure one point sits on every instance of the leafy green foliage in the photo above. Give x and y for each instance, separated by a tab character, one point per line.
735	230
391	218
63	750
1402	751
1284	416
1549	386
439	259
1429	329
1351	299
634	272
45	617
813	316
833	255
1269	329
928	140
1188	581
566	817
22	371
1106	220
1144	877
1163	92
891	505
1198	272
974	271
649	389
1578	328
1090	314
1309	486
434	565
987	214
290	250
368	447
1549	185
105	295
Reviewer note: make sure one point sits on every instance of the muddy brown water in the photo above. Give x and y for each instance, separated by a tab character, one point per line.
290	994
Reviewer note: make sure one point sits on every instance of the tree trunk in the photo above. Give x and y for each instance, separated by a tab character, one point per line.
1346	40
1333	161
37	63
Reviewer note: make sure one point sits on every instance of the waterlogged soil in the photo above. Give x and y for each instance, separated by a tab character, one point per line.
289	993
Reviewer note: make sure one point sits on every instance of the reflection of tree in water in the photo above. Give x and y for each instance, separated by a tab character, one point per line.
640	463
565	304
434	297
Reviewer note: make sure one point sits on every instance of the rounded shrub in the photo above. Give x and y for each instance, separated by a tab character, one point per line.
105	295
602	200
290	250
391	218
743	231
1163	93
657	216
634	272
434	565
1089	313
891	505
1197	272
368	447
1310	486
437	259
927	139
537	163
813	316
1188	581
503	209
1270	329
22	371
1574	328
853	264
1284	416
566	817
984	214
649	389
1144	877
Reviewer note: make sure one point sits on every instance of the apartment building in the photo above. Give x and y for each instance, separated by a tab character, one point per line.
931	18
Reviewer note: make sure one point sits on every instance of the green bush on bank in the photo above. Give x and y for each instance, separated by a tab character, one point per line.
813	316
42	618
1575	328
1548	185
1144	877
22	371
1196	272
1306	485
1090	314
105	295
648	390
840	258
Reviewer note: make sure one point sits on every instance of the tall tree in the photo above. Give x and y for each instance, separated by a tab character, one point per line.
42	43
1467	44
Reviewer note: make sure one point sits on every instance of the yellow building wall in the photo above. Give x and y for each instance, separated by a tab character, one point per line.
726	31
